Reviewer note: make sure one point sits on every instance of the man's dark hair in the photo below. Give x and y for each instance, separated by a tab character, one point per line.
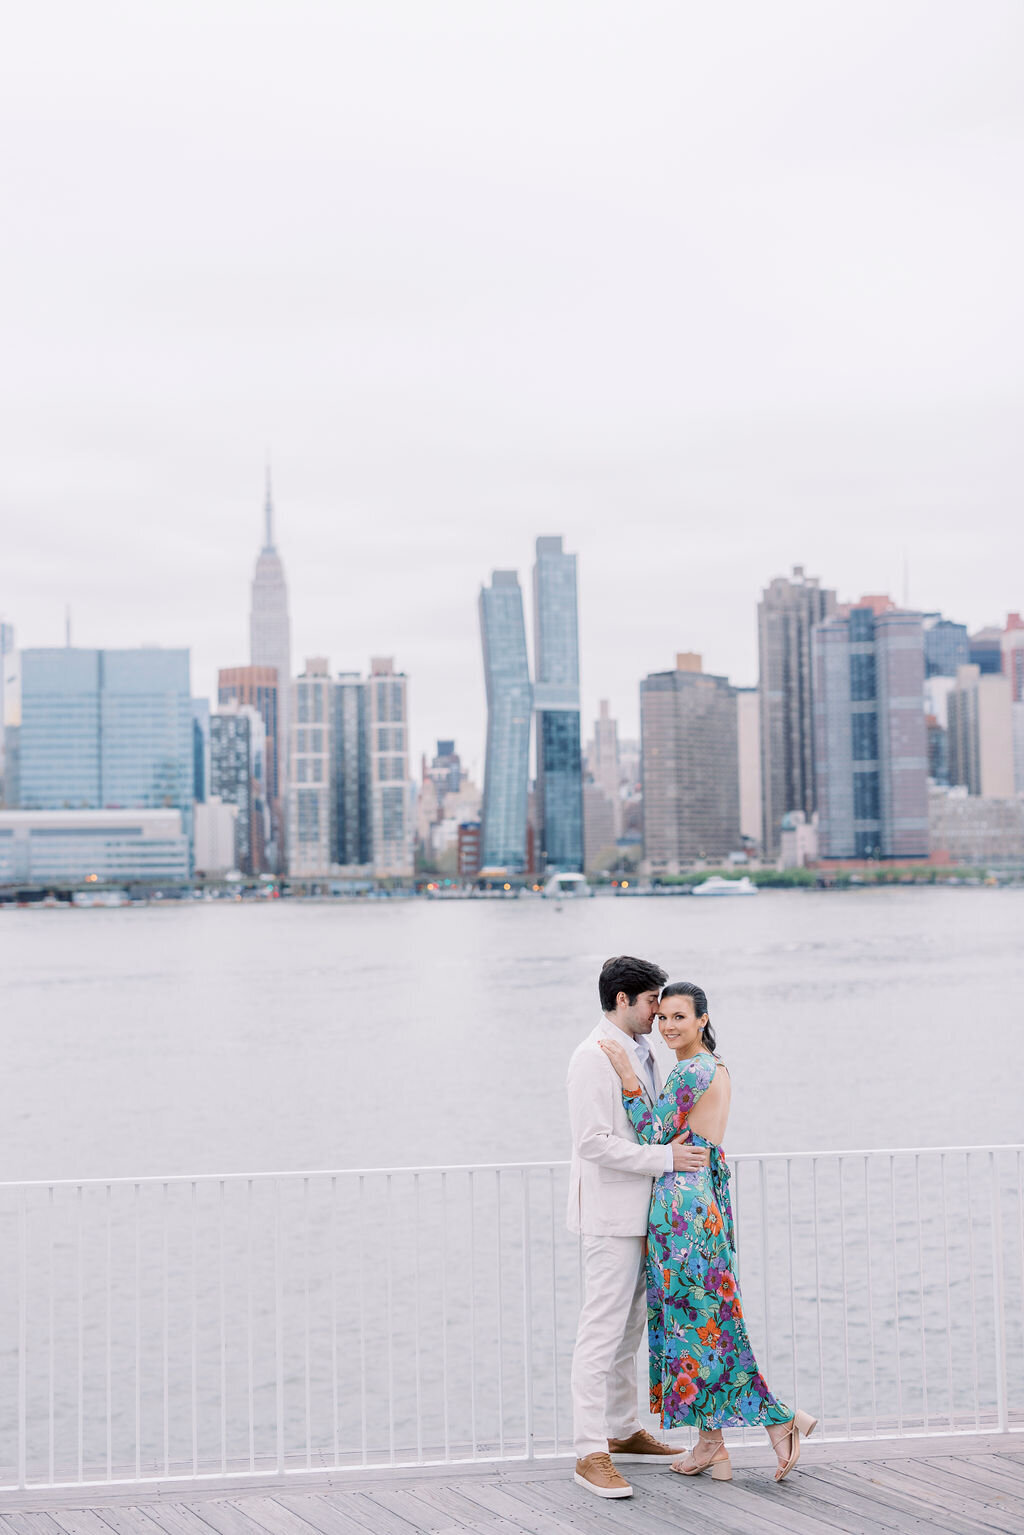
624	973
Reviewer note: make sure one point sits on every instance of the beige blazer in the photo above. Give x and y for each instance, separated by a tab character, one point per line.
612	1173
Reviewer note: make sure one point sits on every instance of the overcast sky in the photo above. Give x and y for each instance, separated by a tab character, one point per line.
710	289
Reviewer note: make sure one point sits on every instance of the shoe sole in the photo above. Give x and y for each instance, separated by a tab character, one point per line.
649	1460
602	1492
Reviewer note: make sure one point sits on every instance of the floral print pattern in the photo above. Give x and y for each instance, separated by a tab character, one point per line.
703	1370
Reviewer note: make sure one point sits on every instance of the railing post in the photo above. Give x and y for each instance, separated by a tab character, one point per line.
998	1298
278	1329
22	1337
527	1317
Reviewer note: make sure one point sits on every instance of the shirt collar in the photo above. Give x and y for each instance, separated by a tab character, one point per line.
640	1043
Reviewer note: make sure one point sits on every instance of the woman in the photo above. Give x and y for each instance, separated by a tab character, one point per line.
703	1370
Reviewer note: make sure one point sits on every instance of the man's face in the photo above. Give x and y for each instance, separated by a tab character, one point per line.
638	1018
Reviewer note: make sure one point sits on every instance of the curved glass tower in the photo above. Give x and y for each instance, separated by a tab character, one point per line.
509	708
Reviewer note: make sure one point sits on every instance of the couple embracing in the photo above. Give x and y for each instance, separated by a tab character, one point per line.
649	1196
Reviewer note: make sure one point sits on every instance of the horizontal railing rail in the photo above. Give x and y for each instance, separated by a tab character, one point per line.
465	1167
238	1324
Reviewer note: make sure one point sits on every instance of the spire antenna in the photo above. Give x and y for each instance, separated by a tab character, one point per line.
268	512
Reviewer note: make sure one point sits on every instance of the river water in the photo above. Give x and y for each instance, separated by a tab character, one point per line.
228	1037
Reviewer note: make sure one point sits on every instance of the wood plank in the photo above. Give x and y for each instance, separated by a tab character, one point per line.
29	1522
581	1509
923	1498
691	1503
129	1520
884	1507
272	1515
831	1507
321	1514
407	1504
763	1505
996	1509
464	1514
641	1513
992	1475
81	1521
176	1519
888	1490
1004	1464
222	1516
363	1510
507	1502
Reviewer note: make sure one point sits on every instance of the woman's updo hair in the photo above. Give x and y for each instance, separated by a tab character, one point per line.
700	1007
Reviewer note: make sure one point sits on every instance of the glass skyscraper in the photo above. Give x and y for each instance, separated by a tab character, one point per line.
557	704
509	712
106	729
946	647
9	715
353	831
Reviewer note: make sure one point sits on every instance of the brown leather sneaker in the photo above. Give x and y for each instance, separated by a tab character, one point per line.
597	1474
642	1446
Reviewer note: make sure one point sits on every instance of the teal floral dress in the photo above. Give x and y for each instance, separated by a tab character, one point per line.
703	1370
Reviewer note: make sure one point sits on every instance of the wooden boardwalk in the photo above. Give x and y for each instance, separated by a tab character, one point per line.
959	1485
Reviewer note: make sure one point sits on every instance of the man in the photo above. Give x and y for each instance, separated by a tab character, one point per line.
609	1196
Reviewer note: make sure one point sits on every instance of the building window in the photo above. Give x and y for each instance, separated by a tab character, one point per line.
865	797
862	626
392	818
865	737
308	815
862	677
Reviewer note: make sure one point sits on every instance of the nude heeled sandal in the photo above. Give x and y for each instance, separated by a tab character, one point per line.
719	1464
799	1423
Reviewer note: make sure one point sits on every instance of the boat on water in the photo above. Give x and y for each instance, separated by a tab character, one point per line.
717	885
562	887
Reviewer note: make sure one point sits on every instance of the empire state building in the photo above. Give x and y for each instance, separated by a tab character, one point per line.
270	632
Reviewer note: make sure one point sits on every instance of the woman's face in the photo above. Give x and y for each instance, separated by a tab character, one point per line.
680	1027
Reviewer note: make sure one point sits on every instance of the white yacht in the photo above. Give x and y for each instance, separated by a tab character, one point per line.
717	885
562	887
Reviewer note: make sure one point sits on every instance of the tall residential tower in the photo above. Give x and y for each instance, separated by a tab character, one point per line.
691	773
509	710
786	615
557	705
872	750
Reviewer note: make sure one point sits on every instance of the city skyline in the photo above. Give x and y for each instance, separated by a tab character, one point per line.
895	751
631	657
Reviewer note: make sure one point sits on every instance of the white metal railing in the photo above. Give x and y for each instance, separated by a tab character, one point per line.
232	1325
